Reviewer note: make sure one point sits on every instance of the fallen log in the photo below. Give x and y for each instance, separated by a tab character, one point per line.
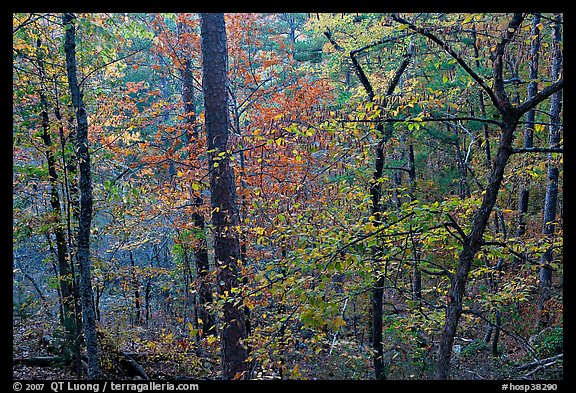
39	361
127	362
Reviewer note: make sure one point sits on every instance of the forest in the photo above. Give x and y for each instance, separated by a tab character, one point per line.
287	196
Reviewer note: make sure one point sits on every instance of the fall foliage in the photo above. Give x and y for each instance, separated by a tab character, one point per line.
303	196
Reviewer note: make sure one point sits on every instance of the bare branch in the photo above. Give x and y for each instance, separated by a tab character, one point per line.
502	101
455	225
541	96
380	42
552	359
538	150
422	120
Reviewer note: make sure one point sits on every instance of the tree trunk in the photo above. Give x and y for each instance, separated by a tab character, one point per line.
376	193
225	215
471	246
473	241
136	286
376	210
377	344
498	322
552	183
201	251
510	116
524	194
85	186
464	187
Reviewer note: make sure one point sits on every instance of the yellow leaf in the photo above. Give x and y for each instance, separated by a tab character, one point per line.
296	371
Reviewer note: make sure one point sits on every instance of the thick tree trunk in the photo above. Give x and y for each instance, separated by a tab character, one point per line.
85	186
552	183
225	215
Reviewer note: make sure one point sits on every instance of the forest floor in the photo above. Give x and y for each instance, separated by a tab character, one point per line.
26	343
472	360
33	340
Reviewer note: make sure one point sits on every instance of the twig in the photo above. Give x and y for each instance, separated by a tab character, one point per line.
336	333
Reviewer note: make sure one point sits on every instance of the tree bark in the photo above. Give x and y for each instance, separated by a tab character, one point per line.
85	187
225	215
510	116
376	193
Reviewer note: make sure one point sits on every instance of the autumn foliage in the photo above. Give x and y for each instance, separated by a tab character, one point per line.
327	114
